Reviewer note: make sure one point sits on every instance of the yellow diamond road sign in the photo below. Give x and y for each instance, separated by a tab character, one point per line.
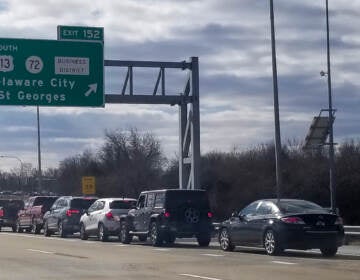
88	185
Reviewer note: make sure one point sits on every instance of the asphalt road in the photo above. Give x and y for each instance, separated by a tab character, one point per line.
27	256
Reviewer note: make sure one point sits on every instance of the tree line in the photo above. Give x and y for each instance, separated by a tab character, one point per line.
129	162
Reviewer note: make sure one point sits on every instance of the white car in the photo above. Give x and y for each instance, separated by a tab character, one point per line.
102	219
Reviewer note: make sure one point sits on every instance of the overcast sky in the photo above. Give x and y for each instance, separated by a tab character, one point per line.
231	39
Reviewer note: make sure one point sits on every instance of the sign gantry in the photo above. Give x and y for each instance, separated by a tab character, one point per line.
70	72
187	100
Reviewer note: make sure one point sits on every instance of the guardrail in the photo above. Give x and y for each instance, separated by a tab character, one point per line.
352	233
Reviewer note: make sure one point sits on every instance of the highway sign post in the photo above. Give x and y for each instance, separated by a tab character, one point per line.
80	33
51	73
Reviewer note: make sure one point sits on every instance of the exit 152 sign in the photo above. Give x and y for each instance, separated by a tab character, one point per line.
51	73
80	33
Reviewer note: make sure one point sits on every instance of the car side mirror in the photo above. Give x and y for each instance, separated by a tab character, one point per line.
234	214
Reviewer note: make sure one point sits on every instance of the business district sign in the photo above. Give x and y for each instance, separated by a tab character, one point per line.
51	73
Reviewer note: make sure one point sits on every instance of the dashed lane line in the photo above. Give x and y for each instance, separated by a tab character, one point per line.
212	255
162	249
40	251
280	262
199	276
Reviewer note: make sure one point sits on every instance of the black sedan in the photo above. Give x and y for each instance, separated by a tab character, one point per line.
284	224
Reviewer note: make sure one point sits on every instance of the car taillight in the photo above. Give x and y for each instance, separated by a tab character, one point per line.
293	220
210	215
338	221
167	214
1	212
72	211
109	215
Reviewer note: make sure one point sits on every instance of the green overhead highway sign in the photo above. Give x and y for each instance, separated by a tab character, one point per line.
80	33
51	73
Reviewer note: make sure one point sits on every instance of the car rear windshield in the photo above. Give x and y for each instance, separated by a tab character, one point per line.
81	203
47	201
178	198
299	206
18	204
122	204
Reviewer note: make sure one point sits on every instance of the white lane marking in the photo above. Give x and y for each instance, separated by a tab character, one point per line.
162	249
198	276
121	245
40	251
212	255
279	262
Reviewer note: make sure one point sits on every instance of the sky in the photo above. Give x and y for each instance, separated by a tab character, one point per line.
233	43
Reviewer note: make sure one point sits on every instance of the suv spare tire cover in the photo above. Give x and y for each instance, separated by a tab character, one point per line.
192	215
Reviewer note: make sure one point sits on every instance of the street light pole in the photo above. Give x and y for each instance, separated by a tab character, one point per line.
39	149
276	106
332	185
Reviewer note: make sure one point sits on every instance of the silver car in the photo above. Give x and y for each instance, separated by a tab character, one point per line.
102	219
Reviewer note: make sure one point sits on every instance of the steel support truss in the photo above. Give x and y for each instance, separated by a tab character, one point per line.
189	114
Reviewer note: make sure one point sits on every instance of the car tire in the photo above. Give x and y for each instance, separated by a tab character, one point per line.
18	227
203	239
83	234
0	228
142	238
61	229
155	235
329	252
47	232
271	243
13	228
225	241
124	235
102	236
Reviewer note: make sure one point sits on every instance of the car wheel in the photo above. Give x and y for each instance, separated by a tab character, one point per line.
271	243
155	235
0	228
83	235
225	240
46	229
62	232
203	239
13	228
102	233
142	238
18	227
329	252
125	237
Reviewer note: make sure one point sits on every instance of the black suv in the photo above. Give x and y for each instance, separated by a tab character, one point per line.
164	215
8	212
64	215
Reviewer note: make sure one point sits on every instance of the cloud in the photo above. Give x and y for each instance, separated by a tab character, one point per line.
231	39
